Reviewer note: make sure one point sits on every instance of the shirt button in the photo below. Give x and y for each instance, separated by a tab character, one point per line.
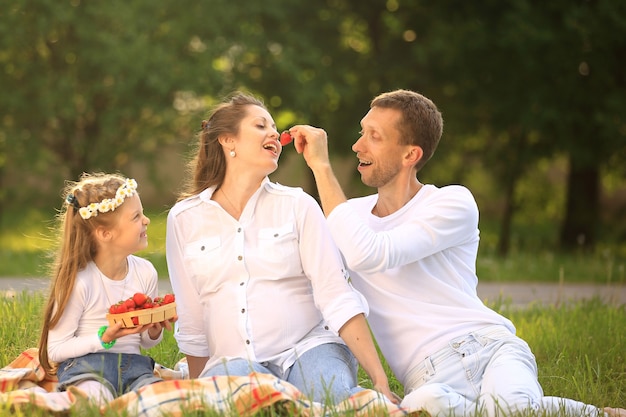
325	327
247	342
239	230
241	283
243	310
239	258
456	345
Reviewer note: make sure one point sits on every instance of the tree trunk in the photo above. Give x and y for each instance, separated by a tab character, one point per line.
515	166
310	186
3	192
504	238
578	230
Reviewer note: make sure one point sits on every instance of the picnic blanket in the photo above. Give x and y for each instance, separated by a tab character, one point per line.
23	383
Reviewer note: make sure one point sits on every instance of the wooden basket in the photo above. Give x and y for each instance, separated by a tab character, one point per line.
147	316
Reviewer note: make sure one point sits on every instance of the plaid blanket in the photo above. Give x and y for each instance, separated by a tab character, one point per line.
24	383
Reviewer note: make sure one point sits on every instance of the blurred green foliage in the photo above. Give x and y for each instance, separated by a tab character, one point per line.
28	241
532	95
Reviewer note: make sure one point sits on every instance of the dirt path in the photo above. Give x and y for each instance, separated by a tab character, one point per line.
519	294
548	293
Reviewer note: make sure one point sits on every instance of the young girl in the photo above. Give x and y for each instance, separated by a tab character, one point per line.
102	224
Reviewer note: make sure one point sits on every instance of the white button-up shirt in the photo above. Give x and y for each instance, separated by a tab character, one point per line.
266	287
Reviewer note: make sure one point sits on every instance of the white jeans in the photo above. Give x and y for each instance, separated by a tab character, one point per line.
491	372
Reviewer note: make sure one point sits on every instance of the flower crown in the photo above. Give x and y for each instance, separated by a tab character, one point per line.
108	204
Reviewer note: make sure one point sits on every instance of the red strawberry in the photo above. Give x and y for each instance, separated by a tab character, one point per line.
135	320
129	303
157	301
285	138
147	305
113	309
168	298
121	308
140	299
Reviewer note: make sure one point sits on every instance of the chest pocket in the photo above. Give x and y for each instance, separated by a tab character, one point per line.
277	244
201	256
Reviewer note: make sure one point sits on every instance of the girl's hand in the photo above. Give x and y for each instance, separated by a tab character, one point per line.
116	331
154	329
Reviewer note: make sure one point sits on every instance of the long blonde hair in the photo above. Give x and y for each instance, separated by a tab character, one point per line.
76	245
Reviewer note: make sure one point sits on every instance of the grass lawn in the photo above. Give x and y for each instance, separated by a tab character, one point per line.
580	348
27	240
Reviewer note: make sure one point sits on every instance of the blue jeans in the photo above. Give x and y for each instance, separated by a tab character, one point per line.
119	372
325	373
490	371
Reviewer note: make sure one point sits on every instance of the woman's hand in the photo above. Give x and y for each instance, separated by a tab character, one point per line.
386	391
355	332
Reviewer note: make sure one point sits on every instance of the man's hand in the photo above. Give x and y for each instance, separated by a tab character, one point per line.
312	143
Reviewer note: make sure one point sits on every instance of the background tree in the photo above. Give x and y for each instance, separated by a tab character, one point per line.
99	86
533	80
92	86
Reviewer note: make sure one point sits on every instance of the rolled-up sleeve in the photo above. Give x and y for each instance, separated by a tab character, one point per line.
322	263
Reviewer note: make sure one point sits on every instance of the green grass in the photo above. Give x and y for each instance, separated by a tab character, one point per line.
546	266
580	347
27	241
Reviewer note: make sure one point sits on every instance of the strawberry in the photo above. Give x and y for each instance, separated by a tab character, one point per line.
147	305
135	320
121	308
285	138
129	303
157	301
140	299
113	309
168	298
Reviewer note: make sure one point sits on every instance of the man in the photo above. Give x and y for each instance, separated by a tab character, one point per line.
411	249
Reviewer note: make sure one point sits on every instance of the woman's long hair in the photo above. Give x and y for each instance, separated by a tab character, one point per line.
208	167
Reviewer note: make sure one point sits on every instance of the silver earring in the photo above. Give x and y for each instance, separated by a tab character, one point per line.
232	153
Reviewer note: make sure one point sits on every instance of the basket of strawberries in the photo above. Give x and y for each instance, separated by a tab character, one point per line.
140	309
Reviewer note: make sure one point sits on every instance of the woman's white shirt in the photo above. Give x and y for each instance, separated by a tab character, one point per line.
266	287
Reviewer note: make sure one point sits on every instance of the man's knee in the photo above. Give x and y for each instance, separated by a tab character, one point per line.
436	398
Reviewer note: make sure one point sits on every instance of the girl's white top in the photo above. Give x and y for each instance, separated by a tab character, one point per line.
416	268
263	288
76	334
